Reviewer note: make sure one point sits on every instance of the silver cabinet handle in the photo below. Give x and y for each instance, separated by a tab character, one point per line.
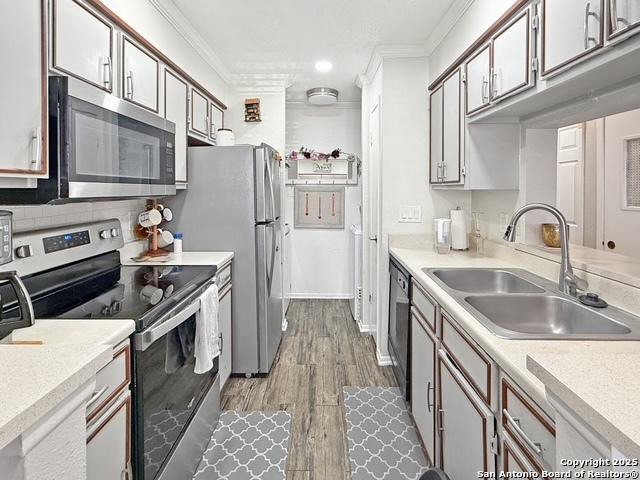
494	84
615	19
430	405
515	424
127	474
444	172
588	13
485	88
130	85
441	420
36	150
107	72
96	395
221	340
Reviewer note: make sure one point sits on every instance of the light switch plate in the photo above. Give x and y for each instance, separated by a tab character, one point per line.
410	214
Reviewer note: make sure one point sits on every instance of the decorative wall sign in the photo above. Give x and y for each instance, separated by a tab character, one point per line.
319	207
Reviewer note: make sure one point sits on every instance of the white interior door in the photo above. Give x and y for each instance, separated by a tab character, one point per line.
374	210
570	180
622	183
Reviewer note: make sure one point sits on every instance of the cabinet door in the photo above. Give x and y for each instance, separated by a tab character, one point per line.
199	113
452	137
23	120
570	30
435	137
466	426
176	92
139	76
215	120
512	58
423	382
515	460
225	330
82	44
624	18
108	442
478	72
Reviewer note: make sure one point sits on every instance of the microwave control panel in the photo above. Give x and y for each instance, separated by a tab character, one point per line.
66	240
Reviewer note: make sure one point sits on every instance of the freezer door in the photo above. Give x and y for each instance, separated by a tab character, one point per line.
269	292
267	184
272	155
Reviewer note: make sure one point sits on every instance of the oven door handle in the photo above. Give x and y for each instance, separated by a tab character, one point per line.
145	339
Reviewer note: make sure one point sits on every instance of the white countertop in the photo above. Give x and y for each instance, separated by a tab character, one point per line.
602	389
511	355
185	258
36	378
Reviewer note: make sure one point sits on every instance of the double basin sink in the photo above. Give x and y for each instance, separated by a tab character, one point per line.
516	304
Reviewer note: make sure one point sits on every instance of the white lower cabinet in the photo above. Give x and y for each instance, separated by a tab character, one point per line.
224	312
514	460
109	442
423	382
466	425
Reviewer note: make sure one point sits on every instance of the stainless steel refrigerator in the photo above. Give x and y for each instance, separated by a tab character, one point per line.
233	204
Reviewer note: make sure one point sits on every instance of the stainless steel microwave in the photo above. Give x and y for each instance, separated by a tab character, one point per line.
102	147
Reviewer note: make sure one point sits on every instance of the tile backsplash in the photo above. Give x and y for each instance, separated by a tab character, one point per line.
44	216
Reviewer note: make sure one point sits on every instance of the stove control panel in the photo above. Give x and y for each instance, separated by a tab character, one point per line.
66	240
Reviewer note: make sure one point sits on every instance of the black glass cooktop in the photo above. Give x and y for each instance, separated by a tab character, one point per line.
101	288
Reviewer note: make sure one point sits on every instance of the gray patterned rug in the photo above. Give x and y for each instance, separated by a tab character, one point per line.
247	446
383	443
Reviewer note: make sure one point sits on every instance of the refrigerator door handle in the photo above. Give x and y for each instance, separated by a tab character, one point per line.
272	262
271	193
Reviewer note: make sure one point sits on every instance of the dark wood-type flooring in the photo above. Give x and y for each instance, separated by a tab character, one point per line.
321	352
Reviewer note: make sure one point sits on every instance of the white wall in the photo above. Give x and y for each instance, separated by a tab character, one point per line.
147	20
271	129
321	261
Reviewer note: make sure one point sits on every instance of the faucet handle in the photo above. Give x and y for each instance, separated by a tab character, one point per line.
576	283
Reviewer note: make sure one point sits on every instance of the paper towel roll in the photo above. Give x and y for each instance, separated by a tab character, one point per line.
459	238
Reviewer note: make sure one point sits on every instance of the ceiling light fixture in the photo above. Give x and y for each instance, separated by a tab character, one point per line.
322	96
324	66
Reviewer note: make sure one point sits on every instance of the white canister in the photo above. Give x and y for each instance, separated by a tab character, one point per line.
442	235
225	137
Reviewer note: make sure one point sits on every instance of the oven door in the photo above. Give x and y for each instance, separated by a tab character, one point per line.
168	395
113	149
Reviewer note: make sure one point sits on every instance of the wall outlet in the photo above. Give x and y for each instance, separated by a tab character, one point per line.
409	214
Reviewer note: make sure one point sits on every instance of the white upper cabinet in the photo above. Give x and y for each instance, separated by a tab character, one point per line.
435	136
82	44
198	113
512	69
624	18
215	120
478	74
452	136
23	122
175	110
570	30
139	76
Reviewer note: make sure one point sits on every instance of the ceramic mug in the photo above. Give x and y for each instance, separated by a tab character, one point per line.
150	218
165	238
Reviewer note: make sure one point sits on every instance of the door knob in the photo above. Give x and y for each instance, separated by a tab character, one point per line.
373	238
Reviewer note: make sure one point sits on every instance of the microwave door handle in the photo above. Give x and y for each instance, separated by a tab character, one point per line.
145	339
24	300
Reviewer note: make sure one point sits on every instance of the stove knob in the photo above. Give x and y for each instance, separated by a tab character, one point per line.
115	232
105	234
24	251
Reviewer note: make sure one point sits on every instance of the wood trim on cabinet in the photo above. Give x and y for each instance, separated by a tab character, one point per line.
44	100
527	82
466	86
126	350
485	37
487	398
127	406
53	48
129	30
543	61
125	40
485	448
191	124
509	452
506	387
430	299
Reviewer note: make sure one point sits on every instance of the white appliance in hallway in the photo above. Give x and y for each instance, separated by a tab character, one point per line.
355	303
233	204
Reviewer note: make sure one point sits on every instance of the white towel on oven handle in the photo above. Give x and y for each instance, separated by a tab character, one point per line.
207	327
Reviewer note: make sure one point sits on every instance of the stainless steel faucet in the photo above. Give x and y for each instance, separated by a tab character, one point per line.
568	282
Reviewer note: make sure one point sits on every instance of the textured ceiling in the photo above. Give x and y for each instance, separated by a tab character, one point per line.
287	37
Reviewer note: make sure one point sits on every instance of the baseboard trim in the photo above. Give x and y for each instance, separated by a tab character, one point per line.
383	360
321	296
365	328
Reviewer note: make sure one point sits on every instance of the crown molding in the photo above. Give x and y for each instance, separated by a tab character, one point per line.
183	26
388	51
261	80
453	14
